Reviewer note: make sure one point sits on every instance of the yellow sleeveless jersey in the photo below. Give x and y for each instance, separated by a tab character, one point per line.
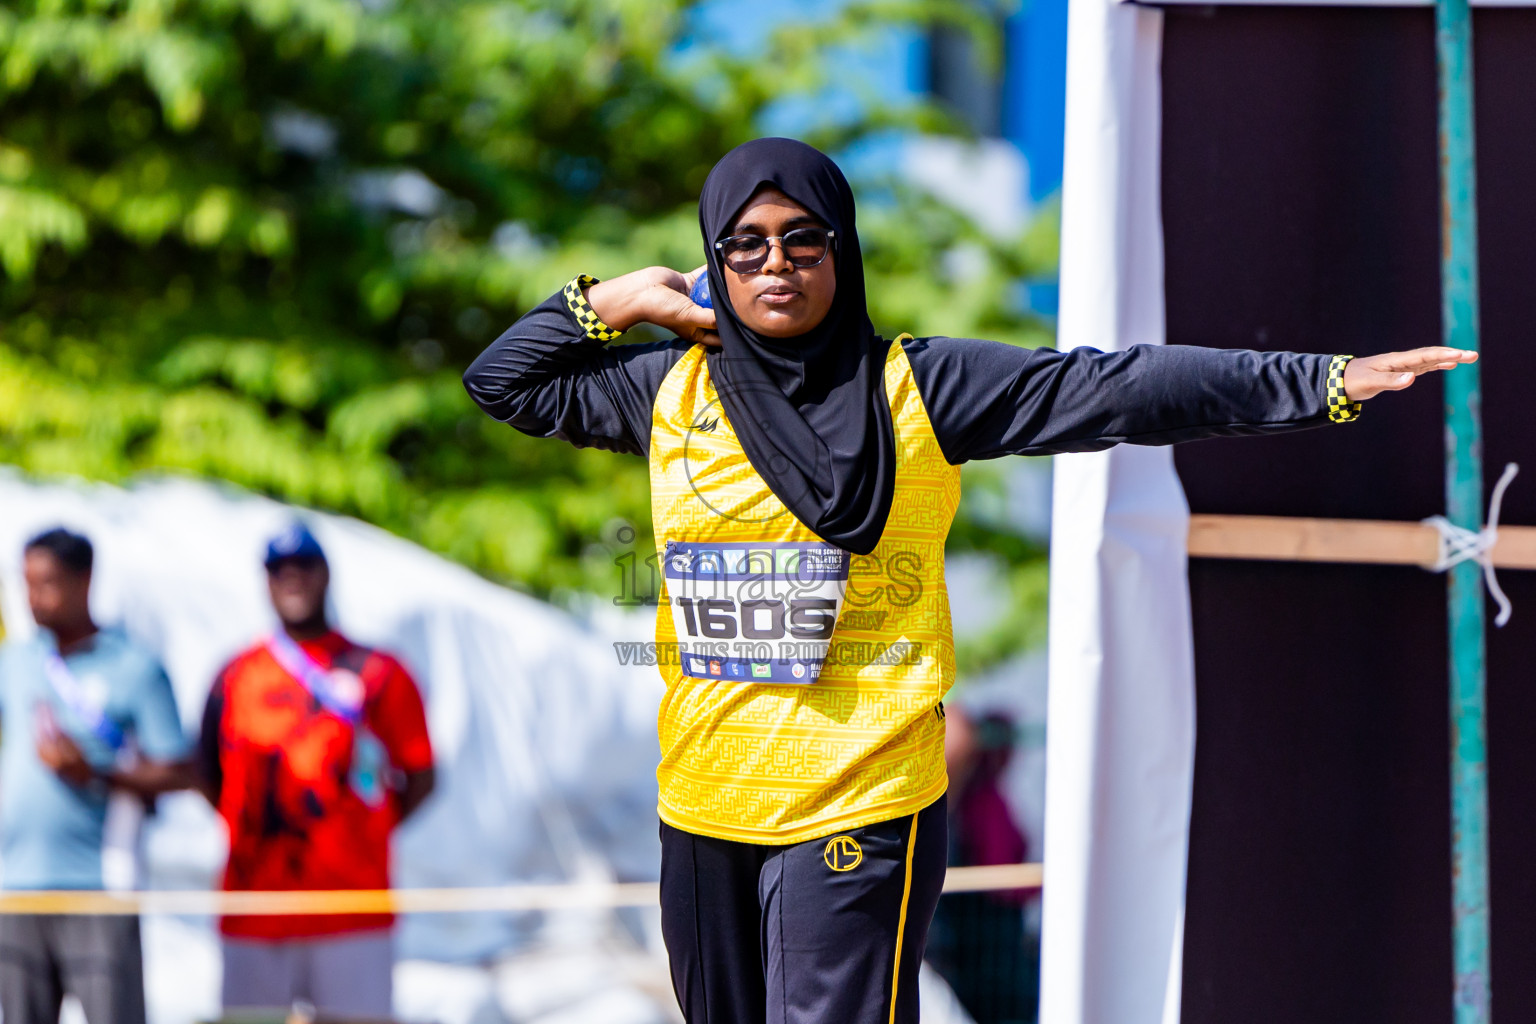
803	682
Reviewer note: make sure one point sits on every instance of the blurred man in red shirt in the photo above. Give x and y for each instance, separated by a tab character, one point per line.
313	748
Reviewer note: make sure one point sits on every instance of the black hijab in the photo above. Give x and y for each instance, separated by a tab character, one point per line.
810	411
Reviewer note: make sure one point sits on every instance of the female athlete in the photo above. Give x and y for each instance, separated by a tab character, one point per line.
804	474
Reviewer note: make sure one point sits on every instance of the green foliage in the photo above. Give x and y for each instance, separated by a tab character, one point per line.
258	240
983	526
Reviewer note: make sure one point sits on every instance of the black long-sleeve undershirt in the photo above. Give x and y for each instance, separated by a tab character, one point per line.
985	399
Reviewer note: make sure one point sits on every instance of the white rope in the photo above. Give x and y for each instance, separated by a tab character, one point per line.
1459	544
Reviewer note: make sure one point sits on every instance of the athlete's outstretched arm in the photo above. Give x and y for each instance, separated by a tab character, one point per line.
988	400
552	375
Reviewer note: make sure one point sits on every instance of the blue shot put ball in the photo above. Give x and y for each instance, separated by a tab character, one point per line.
700	293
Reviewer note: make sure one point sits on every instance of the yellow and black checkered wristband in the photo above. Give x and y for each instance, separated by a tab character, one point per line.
582	310
1340	408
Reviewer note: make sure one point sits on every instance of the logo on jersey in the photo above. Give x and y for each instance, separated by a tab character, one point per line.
843	853
705	440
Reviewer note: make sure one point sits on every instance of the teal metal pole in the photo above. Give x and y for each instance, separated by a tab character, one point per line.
1464	507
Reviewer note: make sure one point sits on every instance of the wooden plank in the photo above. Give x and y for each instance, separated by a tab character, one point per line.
1360	541
1516	548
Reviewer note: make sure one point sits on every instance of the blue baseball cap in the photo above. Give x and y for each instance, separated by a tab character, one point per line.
294	542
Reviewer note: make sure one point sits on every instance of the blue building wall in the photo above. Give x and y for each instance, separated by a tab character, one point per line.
1035	90
1034	80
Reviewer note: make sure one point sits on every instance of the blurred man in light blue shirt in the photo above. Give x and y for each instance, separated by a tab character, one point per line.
86	714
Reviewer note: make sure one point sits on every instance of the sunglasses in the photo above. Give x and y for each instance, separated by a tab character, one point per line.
803	247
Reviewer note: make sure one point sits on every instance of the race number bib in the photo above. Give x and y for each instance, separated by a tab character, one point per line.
754	611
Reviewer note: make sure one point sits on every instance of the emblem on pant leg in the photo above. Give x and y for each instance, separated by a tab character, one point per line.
842	853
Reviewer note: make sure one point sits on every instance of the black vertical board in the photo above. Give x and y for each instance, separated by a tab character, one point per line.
1300	210
1506	111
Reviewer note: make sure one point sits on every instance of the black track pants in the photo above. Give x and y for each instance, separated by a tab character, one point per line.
828	931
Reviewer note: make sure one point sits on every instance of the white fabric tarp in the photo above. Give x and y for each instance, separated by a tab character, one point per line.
1120	755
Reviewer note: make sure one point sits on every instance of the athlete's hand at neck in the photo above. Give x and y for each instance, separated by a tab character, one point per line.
655	295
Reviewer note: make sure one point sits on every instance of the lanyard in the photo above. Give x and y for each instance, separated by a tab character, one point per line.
74	697
322	685
370	763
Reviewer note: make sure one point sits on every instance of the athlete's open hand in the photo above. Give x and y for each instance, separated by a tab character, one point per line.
655	295
1368	376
